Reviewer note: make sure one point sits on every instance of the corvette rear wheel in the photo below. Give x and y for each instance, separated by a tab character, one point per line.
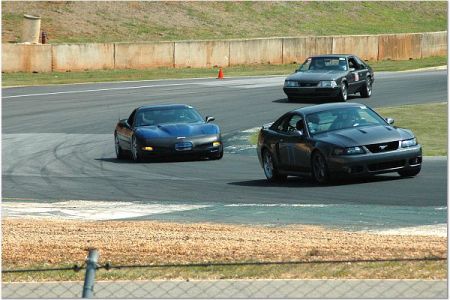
319	168
270	168
343	93
366	90
119	151
135	152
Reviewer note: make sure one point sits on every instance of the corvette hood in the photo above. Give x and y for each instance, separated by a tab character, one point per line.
365	135
177	130
316	75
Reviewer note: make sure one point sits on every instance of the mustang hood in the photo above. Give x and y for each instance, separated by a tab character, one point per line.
177	130
316	75
365	135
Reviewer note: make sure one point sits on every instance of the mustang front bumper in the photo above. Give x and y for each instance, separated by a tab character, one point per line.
303	92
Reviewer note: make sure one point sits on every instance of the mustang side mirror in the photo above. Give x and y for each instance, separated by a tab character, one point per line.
390	121
209	119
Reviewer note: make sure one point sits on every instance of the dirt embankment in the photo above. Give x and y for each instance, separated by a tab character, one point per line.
36	242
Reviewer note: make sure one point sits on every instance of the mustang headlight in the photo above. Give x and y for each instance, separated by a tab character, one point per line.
408	143
349	151
290	83
327	84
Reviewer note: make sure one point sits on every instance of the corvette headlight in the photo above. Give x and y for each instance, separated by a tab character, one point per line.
327	84
349	151
290	83
408	143
216	144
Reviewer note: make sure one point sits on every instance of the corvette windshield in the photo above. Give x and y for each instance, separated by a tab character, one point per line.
342	118
180	115
325	64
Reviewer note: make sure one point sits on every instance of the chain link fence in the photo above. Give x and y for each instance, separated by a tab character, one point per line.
293	279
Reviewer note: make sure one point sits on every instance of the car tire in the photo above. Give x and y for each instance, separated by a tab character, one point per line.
270	168
135	152
366	90
119	151
319	168
409	172
216	156
343	93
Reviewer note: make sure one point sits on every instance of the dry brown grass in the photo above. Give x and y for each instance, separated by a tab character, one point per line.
29	242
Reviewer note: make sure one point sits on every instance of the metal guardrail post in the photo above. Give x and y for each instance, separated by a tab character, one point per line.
89	279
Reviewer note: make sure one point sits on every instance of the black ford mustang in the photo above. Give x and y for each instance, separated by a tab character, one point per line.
339	139
166	130
330	76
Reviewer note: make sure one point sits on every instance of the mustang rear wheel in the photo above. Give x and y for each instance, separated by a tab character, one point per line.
366	90
119	151
319	168
135	152
343	93
270	168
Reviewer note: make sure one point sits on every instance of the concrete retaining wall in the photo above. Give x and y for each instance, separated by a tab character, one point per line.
199	54
80	57
434	44
400	46
26	58
256	51
143	55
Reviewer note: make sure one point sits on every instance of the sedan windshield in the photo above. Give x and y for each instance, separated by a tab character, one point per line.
179	115
325	64
342	118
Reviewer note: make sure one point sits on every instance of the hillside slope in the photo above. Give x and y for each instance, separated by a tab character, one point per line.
68	21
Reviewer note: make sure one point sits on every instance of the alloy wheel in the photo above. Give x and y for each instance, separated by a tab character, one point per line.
319	168
268	165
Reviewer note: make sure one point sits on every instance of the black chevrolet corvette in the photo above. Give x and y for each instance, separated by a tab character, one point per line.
339	139
330	76
167	130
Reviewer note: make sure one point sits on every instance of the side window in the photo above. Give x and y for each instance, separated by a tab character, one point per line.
131	118
295	124
353	64
361	62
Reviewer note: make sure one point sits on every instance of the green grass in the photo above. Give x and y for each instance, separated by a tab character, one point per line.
15	79
110	22
367	270
427	121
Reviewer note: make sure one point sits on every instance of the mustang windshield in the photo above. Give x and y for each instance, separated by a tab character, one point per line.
325	64
342	118
180	115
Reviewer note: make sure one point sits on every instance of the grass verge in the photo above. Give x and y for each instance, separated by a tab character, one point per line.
20	78
427	121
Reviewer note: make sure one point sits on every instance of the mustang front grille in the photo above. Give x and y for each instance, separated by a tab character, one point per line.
383	147
307	84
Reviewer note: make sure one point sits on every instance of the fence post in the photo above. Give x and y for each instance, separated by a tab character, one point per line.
89	279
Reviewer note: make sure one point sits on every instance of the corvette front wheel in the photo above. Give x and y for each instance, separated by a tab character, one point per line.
135	152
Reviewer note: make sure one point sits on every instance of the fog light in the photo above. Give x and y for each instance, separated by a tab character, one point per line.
148	148
216	144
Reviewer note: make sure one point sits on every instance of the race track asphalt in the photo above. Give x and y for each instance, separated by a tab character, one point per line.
58	148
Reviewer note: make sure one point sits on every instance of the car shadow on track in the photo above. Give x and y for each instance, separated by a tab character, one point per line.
308	182
152	160
311	100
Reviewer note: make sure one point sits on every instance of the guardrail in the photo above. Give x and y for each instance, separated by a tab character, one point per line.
150	281
222	53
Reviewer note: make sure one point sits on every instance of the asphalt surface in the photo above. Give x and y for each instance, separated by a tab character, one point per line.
58	146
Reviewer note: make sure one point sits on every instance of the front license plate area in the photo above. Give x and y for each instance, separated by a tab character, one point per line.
184	146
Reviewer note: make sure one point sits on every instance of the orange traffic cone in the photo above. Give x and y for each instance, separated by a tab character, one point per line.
220	76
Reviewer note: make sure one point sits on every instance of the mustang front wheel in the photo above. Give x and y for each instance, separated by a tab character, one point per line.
343	93
270	168
319	168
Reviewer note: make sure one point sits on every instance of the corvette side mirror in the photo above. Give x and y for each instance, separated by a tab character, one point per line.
209	119
390	121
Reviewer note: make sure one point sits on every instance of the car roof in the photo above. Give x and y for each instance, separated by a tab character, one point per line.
322	107
333	55
163	106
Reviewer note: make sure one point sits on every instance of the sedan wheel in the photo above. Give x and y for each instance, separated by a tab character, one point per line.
270	169
366	91
343	94
319	168
119	151
135	153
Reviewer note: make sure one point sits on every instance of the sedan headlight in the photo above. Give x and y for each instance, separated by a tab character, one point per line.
349	151
408	143
327	84
290	83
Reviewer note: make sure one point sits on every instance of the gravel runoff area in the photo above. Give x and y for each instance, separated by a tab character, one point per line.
37	242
